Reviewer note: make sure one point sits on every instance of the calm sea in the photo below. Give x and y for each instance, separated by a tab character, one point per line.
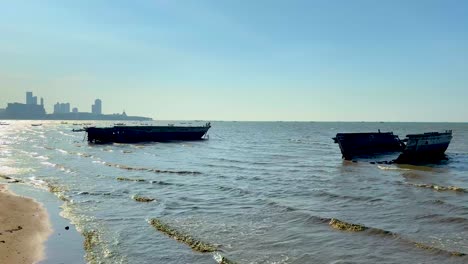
264	192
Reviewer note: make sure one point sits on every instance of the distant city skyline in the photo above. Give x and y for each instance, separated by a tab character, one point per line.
301	60
59	107
31	110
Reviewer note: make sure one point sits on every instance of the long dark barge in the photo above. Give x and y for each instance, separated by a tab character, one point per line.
135	134
363	144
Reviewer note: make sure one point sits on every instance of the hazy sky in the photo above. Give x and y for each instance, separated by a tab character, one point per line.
241	59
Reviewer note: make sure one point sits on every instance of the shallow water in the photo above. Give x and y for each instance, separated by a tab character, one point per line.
265	192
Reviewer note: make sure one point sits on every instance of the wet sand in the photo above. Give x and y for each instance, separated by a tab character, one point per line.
24	227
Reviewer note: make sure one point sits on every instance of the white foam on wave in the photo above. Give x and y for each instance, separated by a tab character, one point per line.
66	170
62	151
35	155
34	181
60	167
5	152
49	164
7	170
65	134
392	168
84	155
41	157
31	154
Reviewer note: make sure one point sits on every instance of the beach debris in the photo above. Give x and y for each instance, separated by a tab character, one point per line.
5	177
129	179
67	228
10	179
193	243
14	229
3	241
341	225
142	199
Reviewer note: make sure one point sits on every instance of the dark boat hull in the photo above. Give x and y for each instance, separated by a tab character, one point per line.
134	134
363	144
425	147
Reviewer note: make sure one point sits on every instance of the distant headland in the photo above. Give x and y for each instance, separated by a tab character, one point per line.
31	110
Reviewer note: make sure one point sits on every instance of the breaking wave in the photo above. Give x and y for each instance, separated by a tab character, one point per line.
125	167
41	184
58	166
440	188
350	227
347	197
392	168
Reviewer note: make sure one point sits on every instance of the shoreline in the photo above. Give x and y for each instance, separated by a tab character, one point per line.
24	228
63	245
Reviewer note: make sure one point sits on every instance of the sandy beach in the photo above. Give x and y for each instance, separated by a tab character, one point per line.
24	227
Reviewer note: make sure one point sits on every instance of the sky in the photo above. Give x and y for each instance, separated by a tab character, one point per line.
301	60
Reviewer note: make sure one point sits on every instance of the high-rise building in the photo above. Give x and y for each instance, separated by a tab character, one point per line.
61	108
75	110
96	108
42	101
29	98
66	108
57	108
34	100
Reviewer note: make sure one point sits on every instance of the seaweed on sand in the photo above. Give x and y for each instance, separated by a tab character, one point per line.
128	179
142	199
435	249
440	188
90	239
58	191
341	225
193	243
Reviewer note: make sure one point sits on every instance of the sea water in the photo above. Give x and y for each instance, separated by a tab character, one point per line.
261	192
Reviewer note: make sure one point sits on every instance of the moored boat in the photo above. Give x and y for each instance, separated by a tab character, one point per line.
133	134
370	143
425	147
